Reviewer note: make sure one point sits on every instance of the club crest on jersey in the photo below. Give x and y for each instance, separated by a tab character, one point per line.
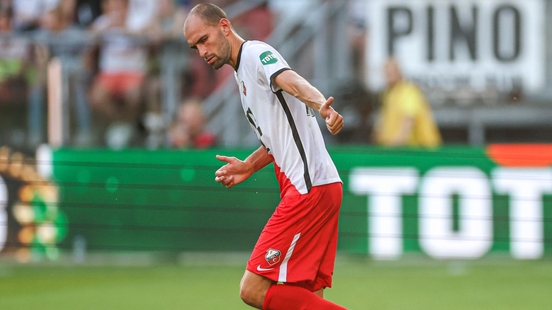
268	58
272	256
244	89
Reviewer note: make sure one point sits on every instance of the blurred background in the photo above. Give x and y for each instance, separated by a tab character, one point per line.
110	123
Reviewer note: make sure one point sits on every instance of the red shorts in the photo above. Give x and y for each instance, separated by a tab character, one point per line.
299	242
118	84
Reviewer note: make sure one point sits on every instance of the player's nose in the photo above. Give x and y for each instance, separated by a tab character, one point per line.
202	51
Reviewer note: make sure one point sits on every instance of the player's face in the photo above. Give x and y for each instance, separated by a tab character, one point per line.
208	41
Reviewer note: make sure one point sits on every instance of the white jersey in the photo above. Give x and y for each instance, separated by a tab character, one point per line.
285	126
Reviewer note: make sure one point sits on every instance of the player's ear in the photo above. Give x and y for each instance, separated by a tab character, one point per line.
225	26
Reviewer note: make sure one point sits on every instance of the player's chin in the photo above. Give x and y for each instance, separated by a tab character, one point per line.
217	65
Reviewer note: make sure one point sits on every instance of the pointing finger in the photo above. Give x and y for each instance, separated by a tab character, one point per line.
225	159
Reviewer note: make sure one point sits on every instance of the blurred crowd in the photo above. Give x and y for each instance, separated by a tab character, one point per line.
110	51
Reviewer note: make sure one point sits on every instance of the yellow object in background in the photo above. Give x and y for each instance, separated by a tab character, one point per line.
405	102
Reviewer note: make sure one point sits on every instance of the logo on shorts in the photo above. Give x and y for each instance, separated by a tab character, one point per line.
272	257
259	269
268	58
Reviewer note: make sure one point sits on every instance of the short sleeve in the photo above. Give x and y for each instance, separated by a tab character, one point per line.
269	63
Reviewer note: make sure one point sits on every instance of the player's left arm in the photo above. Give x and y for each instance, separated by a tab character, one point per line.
295	85
236	171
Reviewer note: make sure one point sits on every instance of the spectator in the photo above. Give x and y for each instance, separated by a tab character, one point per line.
188	131
67	13
165	27
59	37
256	24
405	118
116	92
15	60
6	6
18	74
140	14
27	13
286	10
86	11
358	36
59	22
167	23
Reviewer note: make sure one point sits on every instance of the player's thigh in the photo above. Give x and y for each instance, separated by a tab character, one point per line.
253	288
294	241
319	293
254	280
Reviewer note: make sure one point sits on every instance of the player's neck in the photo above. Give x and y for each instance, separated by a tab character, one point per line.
235	44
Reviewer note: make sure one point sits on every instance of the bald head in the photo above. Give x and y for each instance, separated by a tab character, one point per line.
210	33
209	13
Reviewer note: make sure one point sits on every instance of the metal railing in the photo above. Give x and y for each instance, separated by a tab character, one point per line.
315	45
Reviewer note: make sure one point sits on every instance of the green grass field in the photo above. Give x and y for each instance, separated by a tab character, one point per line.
498	284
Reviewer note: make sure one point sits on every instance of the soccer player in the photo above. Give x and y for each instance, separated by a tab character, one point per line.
293	260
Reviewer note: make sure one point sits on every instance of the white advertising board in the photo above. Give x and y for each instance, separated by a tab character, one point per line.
459	44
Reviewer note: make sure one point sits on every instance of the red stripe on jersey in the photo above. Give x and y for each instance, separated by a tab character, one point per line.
286	187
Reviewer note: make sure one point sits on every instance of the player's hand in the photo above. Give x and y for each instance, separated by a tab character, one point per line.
334	120
234	172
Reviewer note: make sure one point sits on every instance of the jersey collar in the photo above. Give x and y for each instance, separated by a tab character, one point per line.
239	55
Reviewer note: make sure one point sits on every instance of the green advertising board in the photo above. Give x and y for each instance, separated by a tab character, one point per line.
454	202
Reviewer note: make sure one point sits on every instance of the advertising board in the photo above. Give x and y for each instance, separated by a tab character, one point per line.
459	44
449	203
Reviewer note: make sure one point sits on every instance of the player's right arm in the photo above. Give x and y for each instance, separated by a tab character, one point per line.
295	85
236	171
